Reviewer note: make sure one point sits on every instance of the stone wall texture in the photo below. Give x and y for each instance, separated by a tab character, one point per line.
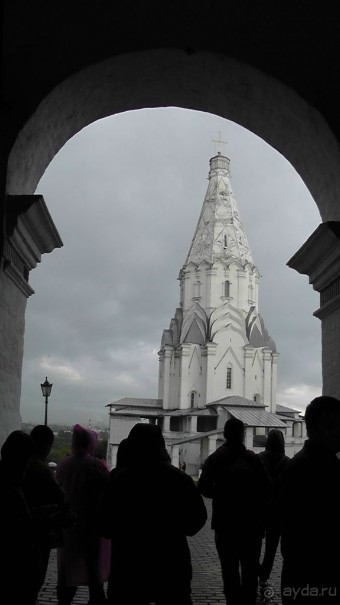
12	326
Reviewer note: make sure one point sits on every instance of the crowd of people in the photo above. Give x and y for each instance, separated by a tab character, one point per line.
129	526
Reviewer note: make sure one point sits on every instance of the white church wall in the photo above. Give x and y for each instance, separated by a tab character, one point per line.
228	356
166	370
186	352
160	375
201	381
274	382
174	381
242	289
289	431
191	455
217	295
120	426
188	279
206	284
194	370
267	376
223	416
111	457
255	377
195	379
192	377
216	292
206	376
239	279
210	363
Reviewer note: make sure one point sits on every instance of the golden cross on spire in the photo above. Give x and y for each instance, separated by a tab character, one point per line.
219	143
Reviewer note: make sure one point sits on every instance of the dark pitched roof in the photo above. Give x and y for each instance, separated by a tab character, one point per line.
283	409
252	417
138	412
136	402
236	400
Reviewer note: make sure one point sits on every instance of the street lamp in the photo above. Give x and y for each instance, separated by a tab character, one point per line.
46	388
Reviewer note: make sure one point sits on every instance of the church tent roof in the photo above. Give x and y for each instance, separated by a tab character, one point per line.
219	234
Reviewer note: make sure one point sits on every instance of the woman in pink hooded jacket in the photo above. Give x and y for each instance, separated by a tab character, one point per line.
84	558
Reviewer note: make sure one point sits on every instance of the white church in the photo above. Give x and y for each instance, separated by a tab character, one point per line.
216	359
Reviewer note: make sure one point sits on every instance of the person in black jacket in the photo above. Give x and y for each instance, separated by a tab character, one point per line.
43	495
233	477
149	509
310	505
274	462
21	569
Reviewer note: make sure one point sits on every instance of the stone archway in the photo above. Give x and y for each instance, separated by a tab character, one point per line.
200	81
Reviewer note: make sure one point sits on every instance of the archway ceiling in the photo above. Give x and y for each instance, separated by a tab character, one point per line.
295	42
283	84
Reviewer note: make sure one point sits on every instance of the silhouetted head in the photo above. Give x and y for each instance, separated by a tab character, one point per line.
322	419
43	438
275	441
123	454
234	431
146	442
16	452
83	440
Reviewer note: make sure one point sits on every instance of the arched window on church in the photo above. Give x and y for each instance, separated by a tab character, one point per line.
229	377
225	241
226	289
192	398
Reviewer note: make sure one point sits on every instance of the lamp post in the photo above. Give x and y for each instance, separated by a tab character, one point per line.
46	388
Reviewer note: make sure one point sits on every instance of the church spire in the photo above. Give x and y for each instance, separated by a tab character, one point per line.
219	233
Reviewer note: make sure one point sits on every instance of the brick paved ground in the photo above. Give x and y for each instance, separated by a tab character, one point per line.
206	584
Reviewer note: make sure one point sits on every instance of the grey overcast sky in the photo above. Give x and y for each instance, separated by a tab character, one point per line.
125	194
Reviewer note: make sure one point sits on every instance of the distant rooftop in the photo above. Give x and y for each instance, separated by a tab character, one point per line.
136	402
253	417
138	412
150	411
283	409
236	400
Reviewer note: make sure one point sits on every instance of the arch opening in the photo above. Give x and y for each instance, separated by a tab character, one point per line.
126	193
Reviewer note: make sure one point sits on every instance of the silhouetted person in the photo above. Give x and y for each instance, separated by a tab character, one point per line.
123	457
310	508
274	462
150	508
233	477
43	495
84	557
21	565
